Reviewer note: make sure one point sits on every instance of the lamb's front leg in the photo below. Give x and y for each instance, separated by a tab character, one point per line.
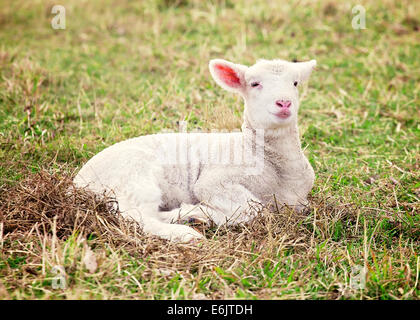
227	203
147	215
184	214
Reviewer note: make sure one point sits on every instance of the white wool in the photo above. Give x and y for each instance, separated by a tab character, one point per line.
164	179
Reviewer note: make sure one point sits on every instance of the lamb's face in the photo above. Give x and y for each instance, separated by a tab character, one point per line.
269	88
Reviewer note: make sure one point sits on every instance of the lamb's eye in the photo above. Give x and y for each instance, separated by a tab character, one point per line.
295	83
255	84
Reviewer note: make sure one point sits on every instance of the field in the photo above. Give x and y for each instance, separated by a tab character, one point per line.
121	69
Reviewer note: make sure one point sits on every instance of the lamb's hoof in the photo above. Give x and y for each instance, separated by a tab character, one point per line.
191	238
192	214
195	241
186	234
194	220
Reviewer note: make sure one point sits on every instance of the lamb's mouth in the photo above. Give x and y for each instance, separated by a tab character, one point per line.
283	114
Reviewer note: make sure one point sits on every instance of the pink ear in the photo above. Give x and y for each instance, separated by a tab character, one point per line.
227	75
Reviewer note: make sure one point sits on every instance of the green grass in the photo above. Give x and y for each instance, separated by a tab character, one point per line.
126	68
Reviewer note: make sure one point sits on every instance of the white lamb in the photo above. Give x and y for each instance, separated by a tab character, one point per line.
165	180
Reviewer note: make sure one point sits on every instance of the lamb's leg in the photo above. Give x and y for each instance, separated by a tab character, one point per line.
147	215
228	203
173	232
185	213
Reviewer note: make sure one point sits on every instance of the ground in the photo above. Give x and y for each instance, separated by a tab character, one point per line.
126	68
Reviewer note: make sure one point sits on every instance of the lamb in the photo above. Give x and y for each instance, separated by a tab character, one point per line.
165	180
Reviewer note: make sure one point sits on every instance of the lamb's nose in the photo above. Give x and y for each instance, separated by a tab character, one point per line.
284	103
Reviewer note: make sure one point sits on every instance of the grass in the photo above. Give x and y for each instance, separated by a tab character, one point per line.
126	68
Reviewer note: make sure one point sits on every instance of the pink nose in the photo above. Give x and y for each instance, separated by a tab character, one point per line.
283	103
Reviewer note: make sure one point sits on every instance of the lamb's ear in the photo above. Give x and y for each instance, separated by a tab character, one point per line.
305	69
228	75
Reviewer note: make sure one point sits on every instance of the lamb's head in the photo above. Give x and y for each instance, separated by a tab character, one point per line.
269	88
